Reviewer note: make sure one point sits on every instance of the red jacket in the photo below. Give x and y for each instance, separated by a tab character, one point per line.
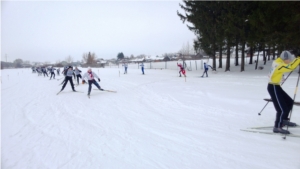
179	65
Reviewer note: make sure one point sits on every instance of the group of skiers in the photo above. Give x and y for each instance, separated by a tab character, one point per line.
181	67
69	73
182	70
125	65
44	71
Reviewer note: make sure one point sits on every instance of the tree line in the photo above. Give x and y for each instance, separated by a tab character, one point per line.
220	26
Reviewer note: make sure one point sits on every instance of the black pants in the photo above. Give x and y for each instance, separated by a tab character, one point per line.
90	85
205	71
52	73
283	103
45	73
58	73
68	78
78	76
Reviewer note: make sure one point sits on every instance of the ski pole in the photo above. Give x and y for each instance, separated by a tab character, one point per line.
269	101
290	115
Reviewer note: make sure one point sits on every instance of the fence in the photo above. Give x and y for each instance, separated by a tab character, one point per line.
190	65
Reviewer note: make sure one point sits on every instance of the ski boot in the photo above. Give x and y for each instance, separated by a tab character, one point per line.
280	130
288	123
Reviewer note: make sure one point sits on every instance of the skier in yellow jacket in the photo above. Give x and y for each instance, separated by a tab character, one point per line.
282	101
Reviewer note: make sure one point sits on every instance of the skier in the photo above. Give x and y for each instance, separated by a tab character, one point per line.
125	66
181	70
58	70
33	69
52	72
77	73
48	70
44	71
39	70
283	103
142	67
69	74
64	72
206	69
91	80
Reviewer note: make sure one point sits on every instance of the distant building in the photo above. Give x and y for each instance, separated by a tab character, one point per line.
138	60
102	63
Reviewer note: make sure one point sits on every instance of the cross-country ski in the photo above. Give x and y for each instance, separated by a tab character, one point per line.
269	127
69	92
270	133
106	90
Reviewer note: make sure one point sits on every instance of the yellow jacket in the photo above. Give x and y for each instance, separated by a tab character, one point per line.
279	68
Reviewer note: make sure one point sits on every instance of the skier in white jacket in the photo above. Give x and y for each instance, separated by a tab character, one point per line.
91	79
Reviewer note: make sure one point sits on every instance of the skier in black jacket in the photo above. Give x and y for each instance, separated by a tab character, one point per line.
69	74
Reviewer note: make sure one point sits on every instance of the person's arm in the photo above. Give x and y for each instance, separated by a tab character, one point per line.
211	67
95	75
284	68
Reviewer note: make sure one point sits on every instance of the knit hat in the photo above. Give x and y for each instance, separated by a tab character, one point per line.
286	55
89	68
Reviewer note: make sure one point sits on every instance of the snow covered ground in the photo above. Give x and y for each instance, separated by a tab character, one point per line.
157	120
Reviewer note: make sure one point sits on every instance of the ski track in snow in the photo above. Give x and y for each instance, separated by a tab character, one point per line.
155	120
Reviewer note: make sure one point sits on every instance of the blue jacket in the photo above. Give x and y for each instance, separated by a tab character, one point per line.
205	66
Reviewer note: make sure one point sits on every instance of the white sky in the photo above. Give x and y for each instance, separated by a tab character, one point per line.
51	31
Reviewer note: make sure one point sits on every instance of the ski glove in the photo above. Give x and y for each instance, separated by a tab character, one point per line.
98	79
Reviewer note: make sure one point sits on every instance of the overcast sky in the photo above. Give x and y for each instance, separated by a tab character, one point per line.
51	31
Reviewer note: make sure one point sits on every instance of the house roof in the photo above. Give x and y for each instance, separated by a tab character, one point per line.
138	59
102	61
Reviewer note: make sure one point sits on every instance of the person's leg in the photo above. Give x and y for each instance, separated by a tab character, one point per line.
97	85
90	86
281	107
77	79
203	73
289	103
72	84
65	83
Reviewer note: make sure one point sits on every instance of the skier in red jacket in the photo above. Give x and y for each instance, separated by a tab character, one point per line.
181	70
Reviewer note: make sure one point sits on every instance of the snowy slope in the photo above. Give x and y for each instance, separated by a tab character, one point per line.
157	120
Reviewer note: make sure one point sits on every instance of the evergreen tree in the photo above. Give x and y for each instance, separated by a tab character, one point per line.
220	25
120	56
